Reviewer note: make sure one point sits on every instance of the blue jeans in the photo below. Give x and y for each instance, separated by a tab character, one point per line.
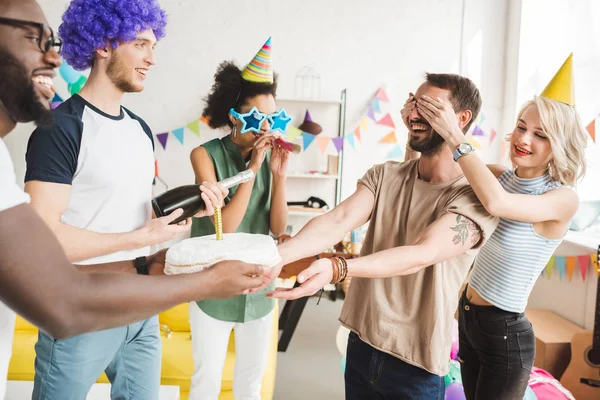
66	369
372	374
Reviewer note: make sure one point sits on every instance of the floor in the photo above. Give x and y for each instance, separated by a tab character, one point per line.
311	366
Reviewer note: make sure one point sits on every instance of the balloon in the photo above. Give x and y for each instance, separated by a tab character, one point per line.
74	88
343	364
341	340
530	394
454	374
68	73
455	391
55	104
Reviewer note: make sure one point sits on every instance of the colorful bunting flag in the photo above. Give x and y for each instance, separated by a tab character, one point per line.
323	141
162	139
477	131
357	132
571	262
293	132
481	119
583	265
560	266
396	153
307	139
371	115
204	120
594	259
389	138
178	133
492	135
474	142
364	124
338	142
591	128
194	127
375	105
549	267
387	121
350	139
381	95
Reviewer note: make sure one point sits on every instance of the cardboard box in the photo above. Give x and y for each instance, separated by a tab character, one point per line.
553	335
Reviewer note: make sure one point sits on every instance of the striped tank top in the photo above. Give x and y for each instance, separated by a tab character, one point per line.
510	262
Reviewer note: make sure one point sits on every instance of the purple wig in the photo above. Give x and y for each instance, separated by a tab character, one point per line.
89	25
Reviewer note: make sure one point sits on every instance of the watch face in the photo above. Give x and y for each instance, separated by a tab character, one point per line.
465	148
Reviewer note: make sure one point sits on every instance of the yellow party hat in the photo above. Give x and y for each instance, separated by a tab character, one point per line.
561	87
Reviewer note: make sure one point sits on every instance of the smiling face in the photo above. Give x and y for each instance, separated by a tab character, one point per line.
130	62
529	144
422	136
26	86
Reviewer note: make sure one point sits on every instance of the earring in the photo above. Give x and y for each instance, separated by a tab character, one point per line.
234	131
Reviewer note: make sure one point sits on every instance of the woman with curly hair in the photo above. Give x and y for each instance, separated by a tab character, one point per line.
90	176
244	103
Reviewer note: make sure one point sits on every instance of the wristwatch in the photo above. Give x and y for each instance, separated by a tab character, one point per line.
462	150
141	265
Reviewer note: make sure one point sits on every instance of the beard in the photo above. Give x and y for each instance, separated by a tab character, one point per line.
119	75
18	94
427	146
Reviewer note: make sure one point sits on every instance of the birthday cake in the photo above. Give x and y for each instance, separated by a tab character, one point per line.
196	254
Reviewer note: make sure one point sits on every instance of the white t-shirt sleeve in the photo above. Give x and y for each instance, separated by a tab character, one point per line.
11	194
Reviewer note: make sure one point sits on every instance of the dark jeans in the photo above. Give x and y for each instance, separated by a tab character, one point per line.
496	351
372	374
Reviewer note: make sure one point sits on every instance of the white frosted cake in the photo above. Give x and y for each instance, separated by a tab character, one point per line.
196	254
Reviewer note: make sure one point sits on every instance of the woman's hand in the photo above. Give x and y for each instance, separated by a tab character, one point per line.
311	280
279	160
213	195
441	116
259	151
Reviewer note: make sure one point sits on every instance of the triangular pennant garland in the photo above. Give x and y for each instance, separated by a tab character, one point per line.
307	139
350	139
204	120
375	105
323	141
178	133
477	131
594	259
194	127
338	142
364	124
395	154
560	266
389	138
474	142
371	114
387	121
293	132
571	262
584	261
357	132
591	128
492	135
162	139
381	95
549	267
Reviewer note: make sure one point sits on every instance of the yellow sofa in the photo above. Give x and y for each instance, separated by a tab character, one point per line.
177	362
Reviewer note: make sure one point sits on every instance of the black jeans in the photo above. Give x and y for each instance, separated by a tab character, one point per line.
496	351
374	375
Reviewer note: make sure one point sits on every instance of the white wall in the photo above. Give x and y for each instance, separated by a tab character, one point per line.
358	45
551	30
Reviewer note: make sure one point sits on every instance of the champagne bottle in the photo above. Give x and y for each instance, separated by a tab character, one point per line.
188	197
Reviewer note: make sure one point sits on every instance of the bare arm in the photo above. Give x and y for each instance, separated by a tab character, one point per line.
322	232
449	236
50	200
38	282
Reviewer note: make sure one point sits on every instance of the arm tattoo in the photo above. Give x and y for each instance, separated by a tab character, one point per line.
465	230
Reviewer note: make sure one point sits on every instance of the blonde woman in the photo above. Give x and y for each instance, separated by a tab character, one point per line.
535	204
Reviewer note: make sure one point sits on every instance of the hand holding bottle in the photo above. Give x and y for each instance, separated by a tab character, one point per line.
213	195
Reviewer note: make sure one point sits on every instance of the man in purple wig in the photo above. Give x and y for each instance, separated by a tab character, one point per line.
89	175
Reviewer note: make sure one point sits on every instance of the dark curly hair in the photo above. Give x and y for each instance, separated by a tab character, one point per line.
230	90
89	24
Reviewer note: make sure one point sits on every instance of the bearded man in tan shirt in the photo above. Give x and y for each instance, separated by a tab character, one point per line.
425	226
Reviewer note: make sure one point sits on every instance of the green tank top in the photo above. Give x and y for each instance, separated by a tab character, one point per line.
228	161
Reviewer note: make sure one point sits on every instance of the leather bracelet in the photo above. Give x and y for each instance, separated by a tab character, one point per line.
336	270
344	273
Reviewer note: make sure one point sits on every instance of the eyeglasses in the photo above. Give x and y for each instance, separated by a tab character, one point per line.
253	119
44	45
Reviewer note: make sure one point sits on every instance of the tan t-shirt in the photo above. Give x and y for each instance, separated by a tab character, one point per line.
410	316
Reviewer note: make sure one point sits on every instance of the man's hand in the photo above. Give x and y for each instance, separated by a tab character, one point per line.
409	105
158	230
213	195
311	280
156	262
233	278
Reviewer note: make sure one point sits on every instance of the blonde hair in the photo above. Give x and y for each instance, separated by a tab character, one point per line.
568	139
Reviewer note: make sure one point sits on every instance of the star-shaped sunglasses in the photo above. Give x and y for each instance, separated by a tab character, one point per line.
253	119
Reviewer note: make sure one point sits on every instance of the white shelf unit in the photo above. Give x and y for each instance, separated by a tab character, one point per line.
301	184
